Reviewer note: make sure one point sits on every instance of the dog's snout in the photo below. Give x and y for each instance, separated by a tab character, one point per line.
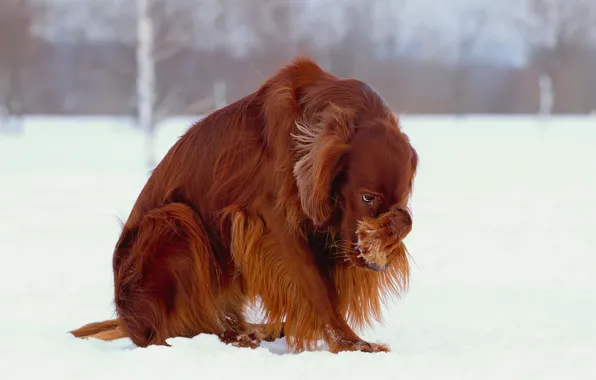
402	216
401	222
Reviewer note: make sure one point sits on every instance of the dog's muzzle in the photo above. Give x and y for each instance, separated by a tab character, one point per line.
380	238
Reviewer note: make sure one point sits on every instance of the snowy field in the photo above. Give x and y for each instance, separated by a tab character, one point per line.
504	244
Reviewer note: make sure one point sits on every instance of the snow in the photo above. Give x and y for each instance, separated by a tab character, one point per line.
503	243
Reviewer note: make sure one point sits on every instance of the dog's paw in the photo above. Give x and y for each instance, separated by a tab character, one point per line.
240	339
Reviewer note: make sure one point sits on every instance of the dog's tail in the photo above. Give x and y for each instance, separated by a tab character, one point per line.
106	330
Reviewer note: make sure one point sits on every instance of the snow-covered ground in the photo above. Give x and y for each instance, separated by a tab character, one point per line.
504	244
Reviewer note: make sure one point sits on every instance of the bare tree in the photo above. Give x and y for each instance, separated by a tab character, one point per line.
157	31
146	87
163	30
166	28
470	27
553	30
16	46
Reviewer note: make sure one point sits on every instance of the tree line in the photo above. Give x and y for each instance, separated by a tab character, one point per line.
208	53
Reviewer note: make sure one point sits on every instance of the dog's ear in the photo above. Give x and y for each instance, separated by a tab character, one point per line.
322	145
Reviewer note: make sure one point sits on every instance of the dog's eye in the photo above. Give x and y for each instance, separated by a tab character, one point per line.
367	198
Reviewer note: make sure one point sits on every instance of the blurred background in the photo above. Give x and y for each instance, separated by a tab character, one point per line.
84	57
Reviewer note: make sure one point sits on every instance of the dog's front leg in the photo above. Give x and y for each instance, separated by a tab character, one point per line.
279	267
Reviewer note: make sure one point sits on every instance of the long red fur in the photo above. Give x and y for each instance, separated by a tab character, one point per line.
249	205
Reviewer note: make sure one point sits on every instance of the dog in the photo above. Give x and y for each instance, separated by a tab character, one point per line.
295	196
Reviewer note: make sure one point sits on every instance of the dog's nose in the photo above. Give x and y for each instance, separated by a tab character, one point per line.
401	222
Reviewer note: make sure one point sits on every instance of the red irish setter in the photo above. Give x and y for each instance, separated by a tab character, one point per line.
295	196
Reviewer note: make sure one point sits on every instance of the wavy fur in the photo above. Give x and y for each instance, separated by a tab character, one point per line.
262	201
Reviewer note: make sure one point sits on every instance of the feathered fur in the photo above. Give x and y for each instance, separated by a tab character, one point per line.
268	200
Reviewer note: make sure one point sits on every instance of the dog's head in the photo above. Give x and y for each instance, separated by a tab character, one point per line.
356	170
374	193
